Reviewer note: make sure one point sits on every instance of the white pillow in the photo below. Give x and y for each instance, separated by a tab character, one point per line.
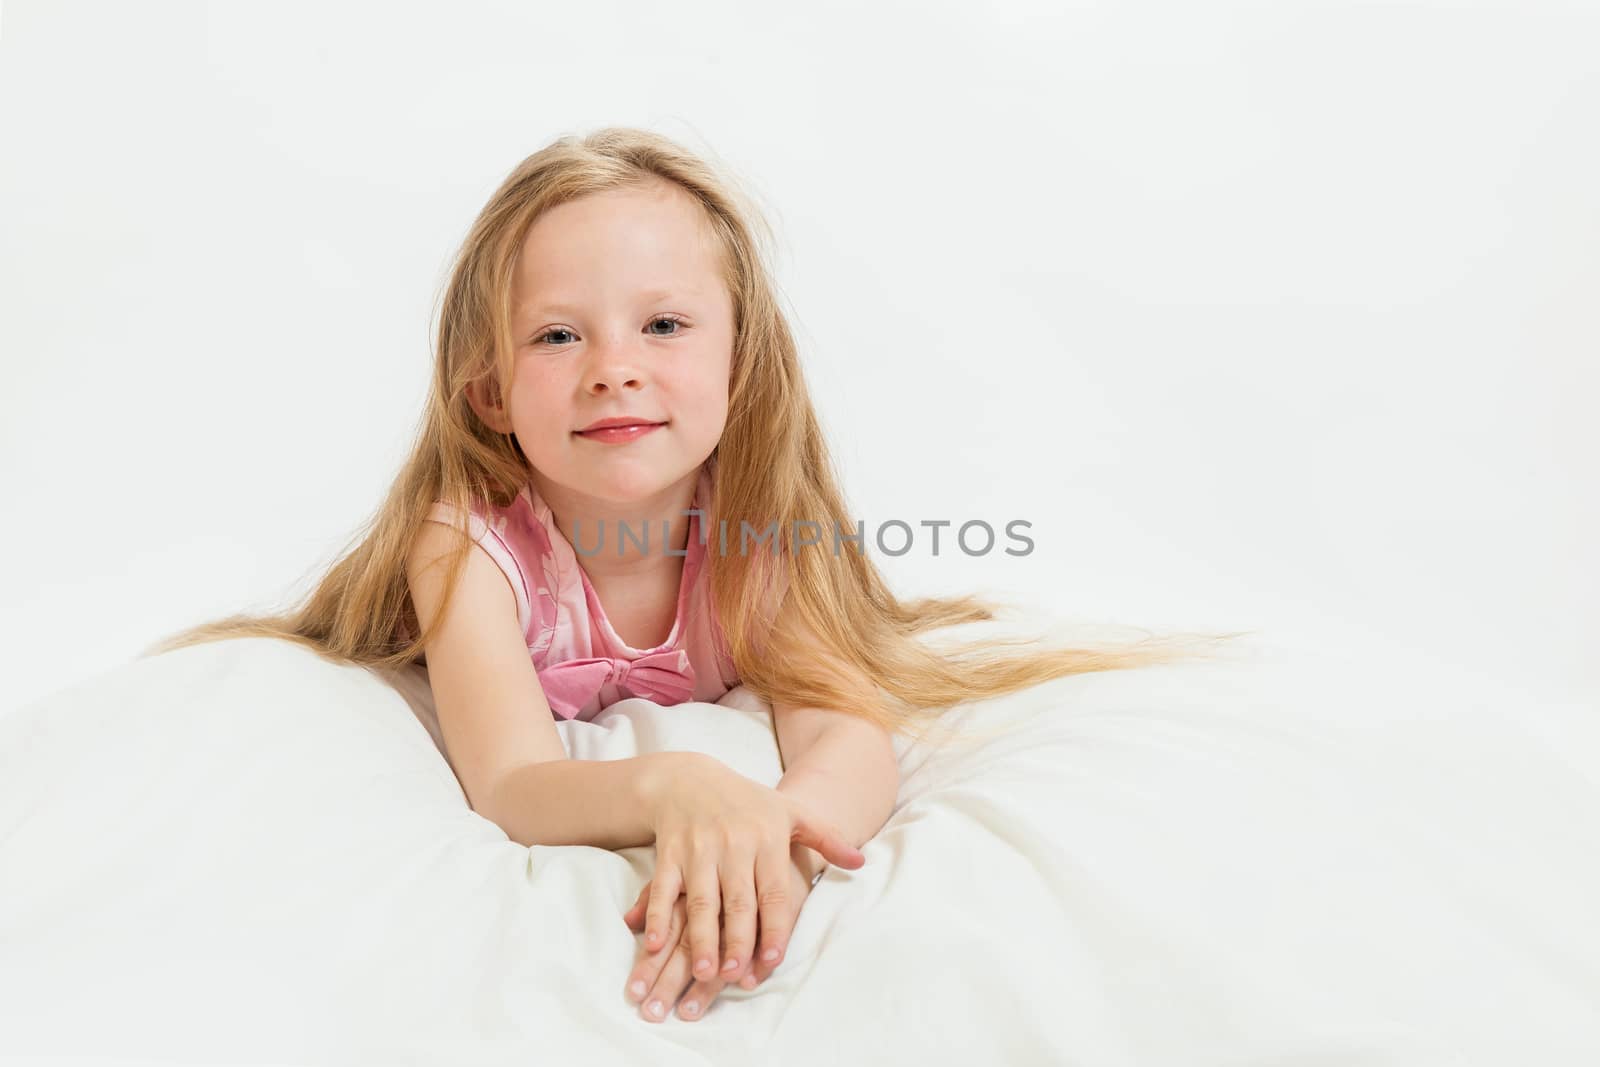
737	729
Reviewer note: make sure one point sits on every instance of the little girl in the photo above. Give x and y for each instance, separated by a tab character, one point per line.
617	414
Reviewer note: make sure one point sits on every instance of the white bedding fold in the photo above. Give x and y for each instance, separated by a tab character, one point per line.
243	852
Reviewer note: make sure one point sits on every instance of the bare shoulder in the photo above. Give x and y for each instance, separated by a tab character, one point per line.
428	559
491	709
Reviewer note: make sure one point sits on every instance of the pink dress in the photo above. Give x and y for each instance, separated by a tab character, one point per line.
583	666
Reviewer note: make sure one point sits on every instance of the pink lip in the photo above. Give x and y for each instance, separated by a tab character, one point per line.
618	431
619	420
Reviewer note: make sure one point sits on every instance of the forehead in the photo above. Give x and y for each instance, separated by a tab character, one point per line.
633	244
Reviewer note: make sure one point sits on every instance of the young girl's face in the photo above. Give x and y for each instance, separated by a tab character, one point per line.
619	309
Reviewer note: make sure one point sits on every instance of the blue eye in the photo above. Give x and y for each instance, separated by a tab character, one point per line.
676	319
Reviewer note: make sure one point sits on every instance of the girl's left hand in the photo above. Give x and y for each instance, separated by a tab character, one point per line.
659	978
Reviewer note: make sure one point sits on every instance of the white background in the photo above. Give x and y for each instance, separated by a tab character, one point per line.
1278	316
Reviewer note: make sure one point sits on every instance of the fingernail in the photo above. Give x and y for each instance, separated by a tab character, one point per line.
770	955
748	981
731	965
703	966
638	988
691	1007
654	1008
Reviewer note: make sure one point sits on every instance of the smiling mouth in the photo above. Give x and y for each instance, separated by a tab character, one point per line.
616	434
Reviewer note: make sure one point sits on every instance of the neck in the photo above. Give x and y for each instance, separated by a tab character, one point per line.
615	538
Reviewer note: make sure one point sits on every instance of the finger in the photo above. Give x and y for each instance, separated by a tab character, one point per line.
634	916
647	965
738	915
799	891
759	972
697	999
673	977
778	911
664	890
831	843
705	914
760	969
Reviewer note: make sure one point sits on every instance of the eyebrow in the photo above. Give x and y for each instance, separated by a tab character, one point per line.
561	307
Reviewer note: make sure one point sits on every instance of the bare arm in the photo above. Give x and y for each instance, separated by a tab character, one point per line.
605	803
843	767
499	733
839	764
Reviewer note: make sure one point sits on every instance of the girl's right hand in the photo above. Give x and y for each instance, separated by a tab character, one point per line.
659	979
724	842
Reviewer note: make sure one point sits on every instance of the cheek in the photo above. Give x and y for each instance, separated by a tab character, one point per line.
706	396
541	430
712	378
532	399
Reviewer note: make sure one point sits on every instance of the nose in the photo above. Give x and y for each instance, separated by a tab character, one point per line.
614	366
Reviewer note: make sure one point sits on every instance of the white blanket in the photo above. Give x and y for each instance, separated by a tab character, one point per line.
241	852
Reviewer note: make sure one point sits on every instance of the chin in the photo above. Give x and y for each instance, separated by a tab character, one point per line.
624	486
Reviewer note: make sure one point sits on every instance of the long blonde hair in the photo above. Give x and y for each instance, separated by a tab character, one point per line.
771	461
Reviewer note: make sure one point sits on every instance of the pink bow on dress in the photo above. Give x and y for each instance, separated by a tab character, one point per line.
664	677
